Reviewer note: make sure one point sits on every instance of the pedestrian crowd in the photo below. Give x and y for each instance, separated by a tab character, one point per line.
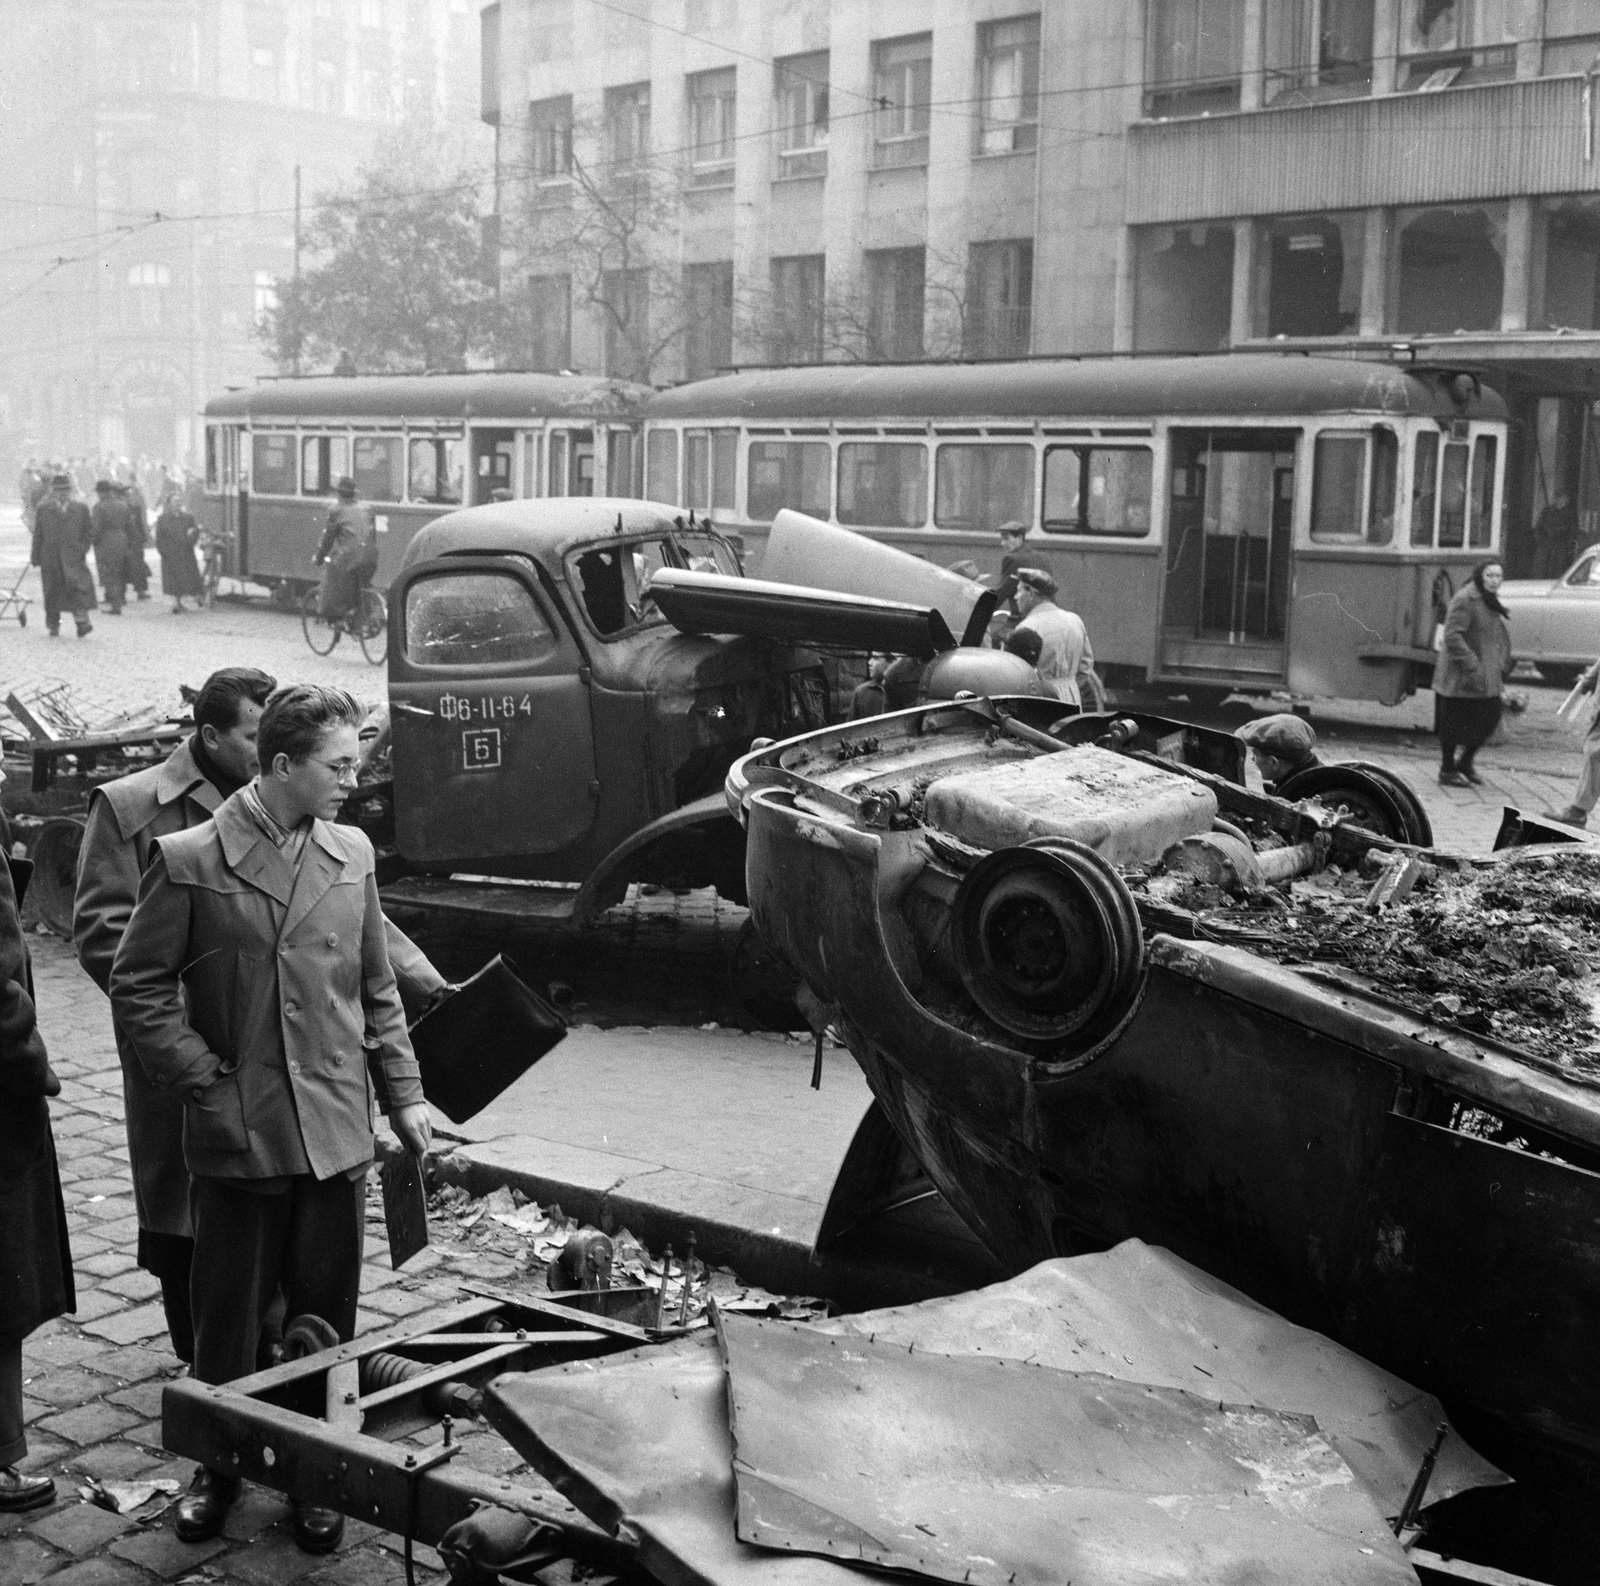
253	979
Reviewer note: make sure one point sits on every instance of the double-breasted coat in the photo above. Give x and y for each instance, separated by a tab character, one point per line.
35	1261
114	531
127	818
62	534
246	987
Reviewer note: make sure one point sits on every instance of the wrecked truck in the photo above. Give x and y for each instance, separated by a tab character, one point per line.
1101	991
570	680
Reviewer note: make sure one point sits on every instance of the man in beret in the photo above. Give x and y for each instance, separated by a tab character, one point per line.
1281	746
1066	662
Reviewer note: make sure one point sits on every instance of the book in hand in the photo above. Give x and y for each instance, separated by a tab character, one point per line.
481	1038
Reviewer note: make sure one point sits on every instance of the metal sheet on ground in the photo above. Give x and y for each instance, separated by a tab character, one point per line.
1003	1473
1140	1313
641	1440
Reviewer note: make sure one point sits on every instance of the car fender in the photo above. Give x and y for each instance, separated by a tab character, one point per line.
700	841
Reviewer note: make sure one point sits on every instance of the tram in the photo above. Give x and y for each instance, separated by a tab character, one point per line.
417	446
1252	522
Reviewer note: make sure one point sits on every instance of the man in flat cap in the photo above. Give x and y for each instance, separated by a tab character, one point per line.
62	535
1066	662
1281	746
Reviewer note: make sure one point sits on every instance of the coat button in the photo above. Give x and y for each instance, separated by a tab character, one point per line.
294	1068
291	1008
333	938
198	1094
338	1057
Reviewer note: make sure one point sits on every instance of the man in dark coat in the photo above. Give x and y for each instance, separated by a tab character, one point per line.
113	541
349	546
251	975
127	818
138	536
62	534
35	1261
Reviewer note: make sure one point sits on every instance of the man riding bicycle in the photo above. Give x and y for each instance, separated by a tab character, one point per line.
349	547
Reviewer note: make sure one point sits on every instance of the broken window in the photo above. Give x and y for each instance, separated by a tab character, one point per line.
1310	283
1572	264
1317	49
1183	288
1443	42
1194	55
1452	270
469	619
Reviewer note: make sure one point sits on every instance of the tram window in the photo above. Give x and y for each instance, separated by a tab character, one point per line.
437	470
883	484
661	467
619	462
467	619
1480	505
213	470
787	474
1424	487
379	470
1453	498
1381	489
981	487
1338	479
324	460
1117	500
709	460
272	464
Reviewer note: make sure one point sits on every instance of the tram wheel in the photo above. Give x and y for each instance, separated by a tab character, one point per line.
321	634
1048	943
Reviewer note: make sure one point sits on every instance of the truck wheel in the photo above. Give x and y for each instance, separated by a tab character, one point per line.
55	874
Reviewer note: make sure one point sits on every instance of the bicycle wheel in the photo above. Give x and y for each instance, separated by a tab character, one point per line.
322	635
372	626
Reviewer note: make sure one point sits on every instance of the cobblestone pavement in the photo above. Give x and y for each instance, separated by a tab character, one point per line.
93	1381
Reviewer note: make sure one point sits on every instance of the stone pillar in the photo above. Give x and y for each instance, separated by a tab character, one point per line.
1251	73
1122	310
1385	45
1375	265
1516	290
1242	315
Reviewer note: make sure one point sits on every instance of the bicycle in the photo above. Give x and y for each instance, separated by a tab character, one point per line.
212	547
368	624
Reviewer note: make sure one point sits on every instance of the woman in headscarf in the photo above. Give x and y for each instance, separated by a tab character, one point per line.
176	534
1469	676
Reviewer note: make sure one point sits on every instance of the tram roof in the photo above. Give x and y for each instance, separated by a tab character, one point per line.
1246	384
485	394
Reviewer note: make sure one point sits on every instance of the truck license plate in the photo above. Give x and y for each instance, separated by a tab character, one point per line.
480	749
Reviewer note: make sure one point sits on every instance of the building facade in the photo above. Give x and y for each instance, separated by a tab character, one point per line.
151	148
689	184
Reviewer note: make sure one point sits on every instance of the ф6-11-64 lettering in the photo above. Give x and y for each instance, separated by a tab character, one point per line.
486	707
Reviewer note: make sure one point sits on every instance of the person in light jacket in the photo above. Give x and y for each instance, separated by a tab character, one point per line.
1469	676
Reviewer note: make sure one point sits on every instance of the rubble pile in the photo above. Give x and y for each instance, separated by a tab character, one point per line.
1509	949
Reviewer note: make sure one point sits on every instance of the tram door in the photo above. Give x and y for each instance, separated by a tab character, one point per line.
1225	599
493	454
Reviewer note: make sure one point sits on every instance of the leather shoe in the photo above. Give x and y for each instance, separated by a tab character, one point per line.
23	1492
317	1530
204	1507
1453	779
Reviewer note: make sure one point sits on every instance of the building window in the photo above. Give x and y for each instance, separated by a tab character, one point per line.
266	301
796	329
147	285
999	308
550	130
625	303
264	42
550	330
1183	288
902	85
712	106
895	288
1194	56
708	318
1008	85
627	116
1450	41
1317	49
326	93
1310	275
1451	268
800	85
1572	264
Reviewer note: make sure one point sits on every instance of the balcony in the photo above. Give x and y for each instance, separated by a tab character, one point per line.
1487	140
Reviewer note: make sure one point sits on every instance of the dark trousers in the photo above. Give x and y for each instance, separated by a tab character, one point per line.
169	1258
307	1239
13	1442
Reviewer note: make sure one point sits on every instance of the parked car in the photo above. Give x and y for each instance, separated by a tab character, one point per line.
1555	623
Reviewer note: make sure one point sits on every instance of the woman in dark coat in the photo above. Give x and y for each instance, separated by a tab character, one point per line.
176	533
35	1263
1470	674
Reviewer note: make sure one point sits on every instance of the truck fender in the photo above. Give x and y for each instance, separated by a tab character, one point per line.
700	843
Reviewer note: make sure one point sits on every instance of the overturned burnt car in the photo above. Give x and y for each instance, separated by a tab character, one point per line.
1100	990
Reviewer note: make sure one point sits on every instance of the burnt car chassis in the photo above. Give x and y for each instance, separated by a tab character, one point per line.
337	1426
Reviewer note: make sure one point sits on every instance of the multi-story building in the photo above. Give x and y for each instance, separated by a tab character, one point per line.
151	150
688	184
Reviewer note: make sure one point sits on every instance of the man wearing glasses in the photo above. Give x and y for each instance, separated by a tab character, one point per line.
253	965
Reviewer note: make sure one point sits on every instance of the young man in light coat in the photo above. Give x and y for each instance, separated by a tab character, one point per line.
253	967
